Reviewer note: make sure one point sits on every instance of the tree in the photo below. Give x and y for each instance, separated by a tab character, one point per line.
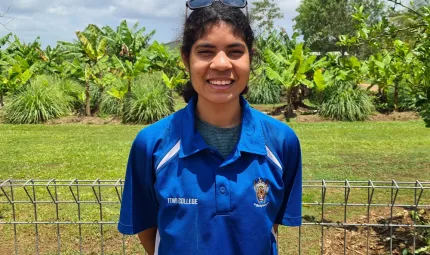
322	21
4	16
3	65
90	58
127	42
399	62
263	14
18	63
291	70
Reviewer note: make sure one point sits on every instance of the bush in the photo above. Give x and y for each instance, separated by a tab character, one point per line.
149	100
406	100
263	91
38	102
346	102
112	105
75	91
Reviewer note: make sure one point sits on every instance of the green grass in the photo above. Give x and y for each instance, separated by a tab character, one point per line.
331	151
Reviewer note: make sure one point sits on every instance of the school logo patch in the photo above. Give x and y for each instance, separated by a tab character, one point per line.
261	188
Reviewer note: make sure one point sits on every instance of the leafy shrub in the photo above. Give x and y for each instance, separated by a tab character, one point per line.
149	100
110	105
406	100
263	91
112	99
75	91
38	102
346	102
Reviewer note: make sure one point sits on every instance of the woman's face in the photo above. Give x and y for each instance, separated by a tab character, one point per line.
219	65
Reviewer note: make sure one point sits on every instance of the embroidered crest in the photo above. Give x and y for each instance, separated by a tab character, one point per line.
261	188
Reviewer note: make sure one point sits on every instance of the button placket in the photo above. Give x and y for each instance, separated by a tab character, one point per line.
222	189
222	195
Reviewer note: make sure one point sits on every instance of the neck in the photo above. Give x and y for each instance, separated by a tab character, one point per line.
220	115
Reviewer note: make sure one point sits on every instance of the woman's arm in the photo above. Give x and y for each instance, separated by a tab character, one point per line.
275	228
147	239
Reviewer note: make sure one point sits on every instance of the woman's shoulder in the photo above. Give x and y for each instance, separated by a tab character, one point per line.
163	130
274	127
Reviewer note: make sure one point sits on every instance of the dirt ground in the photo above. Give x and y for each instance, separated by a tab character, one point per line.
306	115
84	120
302	116
379	237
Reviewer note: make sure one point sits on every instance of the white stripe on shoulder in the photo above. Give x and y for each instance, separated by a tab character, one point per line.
272	157
170	154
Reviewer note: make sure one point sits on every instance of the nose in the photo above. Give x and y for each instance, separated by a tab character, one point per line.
221	62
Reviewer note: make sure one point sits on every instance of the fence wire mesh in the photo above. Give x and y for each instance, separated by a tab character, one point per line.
340	217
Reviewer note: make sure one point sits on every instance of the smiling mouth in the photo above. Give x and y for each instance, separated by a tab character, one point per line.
221	83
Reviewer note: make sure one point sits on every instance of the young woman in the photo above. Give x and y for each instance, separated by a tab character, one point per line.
216	177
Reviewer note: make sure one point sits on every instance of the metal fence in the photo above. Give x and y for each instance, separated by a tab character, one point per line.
340	217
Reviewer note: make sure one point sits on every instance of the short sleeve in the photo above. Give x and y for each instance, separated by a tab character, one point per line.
290	213
139	206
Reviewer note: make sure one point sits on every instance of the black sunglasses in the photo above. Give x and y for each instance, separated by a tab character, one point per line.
196	4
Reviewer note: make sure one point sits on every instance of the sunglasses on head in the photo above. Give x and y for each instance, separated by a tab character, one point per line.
195	4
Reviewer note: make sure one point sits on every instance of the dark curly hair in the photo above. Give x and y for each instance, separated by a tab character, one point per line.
202	19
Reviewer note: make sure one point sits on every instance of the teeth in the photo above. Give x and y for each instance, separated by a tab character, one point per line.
222	83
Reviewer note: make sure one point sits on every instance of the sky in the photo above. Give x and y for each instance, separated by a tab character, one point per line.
59	19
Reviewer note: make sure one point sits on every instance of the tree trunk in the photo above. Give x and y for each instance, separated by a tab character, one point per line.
87	99
396	96
99	101
1	98
290	104
129	87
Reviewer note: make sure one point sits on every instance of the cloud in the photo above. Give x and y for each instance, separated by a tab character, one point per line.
58	20
149	9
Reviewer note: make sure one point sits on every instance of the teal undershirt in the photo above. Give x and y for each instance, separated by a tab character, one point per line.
223	140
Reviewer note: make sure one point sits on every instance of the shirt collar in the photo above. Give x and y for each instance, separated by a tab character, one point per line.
251	138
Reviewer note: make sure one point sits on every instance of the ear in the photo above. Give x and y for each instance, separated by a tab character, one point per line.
186	61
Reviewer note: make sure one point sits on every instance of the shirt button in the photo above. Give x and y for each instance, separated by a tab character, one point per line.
222	190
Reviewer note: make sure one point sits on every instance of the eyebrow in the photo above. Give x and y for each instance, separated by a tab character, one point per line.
211	46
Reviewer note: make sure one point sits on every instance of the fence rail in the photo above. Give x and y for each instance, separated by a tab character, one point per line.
340	217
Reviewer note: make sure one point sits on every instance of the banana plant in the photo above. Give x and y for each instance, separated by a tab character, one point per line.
387	69
291	70
126	42
128	70
90	56
31	52
3	66
174	81
163	59
19	72
53	59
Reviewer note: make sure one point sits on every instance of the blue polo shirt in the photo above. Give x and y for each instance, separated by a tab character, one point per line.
204	204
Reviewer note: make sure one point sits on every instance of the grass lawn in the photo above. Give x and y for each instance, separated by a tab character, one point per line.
331	151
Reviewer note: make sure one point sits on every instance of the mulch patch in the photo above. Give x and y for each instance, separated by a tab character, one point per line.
84	120
379	238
